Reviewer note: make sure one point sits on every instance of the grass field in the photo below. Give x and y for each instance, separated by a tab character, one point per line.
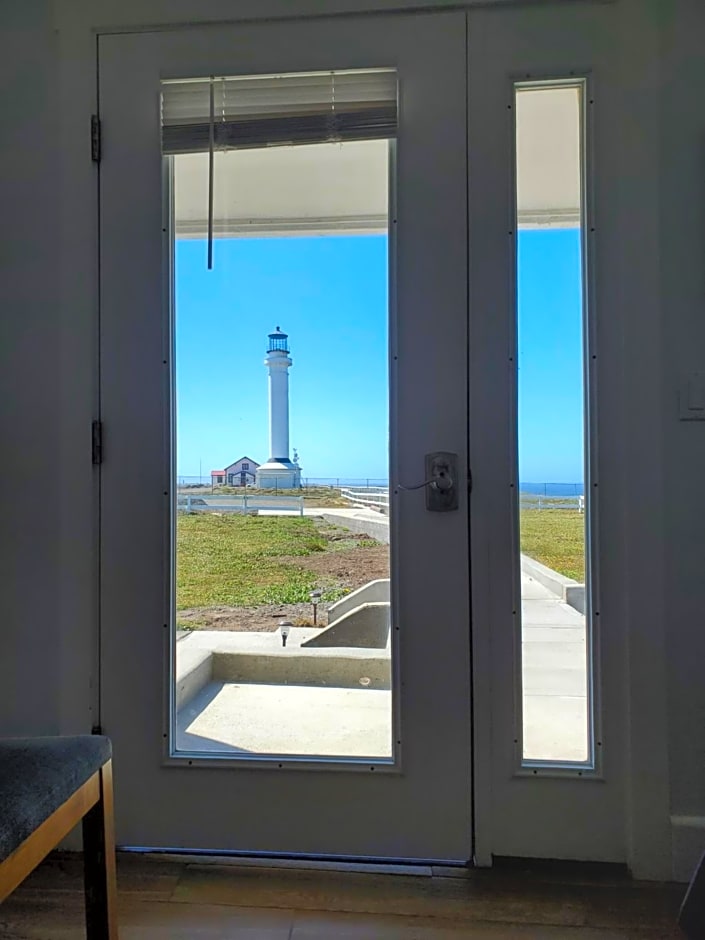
236	560
247	561
314	496
556	538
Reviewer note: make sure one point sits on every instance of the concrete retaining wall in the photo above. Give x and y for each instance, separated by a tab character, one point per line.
206	656
362	525
365	627
373	592
195	669
570	591
314	667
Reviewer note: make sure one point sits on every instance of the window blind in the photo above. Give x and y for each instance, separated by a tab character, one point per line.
275	110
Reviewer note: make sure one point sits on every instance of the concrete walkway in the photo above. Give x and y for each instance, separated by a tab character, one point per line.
554	676
327	719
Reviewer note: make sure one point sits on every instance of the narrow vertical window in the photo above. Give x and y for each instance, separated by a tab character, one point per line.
552	424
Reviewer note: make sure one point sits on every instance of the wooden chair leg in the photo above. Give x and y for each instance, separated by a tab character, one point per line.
692	913
99	863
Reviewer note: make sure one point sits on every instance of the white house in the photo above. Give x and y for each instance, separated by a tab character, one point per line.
240	473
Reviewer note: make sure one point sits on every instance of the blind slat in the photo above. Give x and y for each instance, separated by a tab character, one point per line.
275	110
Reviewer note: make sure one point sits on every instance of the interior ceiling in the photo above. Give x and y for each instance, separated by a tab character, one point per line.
548	157
343	188
313	189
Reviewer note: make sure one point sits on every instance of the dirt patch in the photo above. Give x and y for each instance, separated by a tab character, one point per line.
347	568
264	619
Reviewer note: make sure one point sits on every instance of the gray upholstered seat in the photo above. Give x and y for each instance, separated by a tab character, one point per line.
37	775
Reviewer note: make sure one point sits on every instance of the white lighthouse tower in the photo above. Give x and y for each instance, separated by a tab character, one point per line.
278	472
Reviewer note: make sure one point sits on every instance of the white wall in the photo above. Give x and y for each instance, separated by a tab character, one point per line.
48	384
30	373
683	345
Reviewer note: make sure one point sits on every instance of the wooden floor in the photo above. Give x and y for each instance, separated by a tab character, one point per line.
164	898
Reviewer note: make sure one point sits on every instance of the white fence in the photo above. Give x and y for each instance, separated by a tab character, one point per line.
369	497
538	501
377	497
241	504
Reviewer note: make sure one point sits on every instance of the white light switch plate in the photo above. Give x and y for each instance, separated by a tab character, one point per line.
692	397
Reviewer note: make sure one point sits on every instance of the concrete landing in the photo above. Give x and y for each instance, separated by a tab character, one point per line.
260	658
287	721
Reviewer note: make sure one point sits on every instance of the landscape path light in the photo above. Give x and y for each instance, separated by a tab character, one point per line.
315	600
285	627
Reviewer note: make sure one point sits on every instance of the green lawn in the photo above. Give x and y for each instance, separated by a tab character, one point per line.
236	560
556	538
314	496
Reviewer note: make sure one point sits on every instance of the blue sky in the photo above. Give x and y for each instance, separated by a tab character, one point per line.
550	356
330	296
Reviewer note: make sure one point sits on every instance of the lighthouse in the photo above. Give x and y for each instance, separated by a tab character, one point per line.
278	472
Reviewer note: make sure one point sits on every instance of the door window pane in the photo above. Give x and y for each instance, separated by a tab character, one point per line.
552	428
281	553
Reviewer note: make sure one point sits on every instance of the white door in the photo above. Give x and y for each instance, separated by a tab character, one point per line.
546	317
230	740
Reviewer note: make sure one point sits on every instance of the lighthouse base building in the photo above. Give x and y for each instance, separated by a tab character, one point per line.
278	475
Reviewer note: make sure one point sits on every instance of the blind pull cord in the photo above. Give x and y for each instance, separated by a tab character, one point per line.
331	125
211	160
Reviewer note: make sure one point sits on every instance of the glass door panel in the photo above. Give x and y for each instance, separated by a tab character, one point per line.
551	423
282	589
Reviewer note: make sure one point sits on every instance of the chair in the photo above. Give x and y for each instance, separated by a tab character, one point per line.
47	786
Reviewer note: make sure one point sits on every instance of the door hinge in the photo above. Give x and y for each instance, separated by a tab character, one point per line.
95	138
97	439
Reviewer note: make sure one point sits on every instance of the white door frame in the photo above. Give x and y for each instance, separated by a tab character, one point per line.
421	809
637	394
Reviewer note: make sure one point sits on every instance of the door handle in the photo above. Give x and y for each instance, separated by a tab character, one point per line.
442	479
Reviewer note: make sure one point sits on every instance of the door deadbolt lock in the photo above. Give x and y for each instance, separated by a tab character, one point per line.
441	481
